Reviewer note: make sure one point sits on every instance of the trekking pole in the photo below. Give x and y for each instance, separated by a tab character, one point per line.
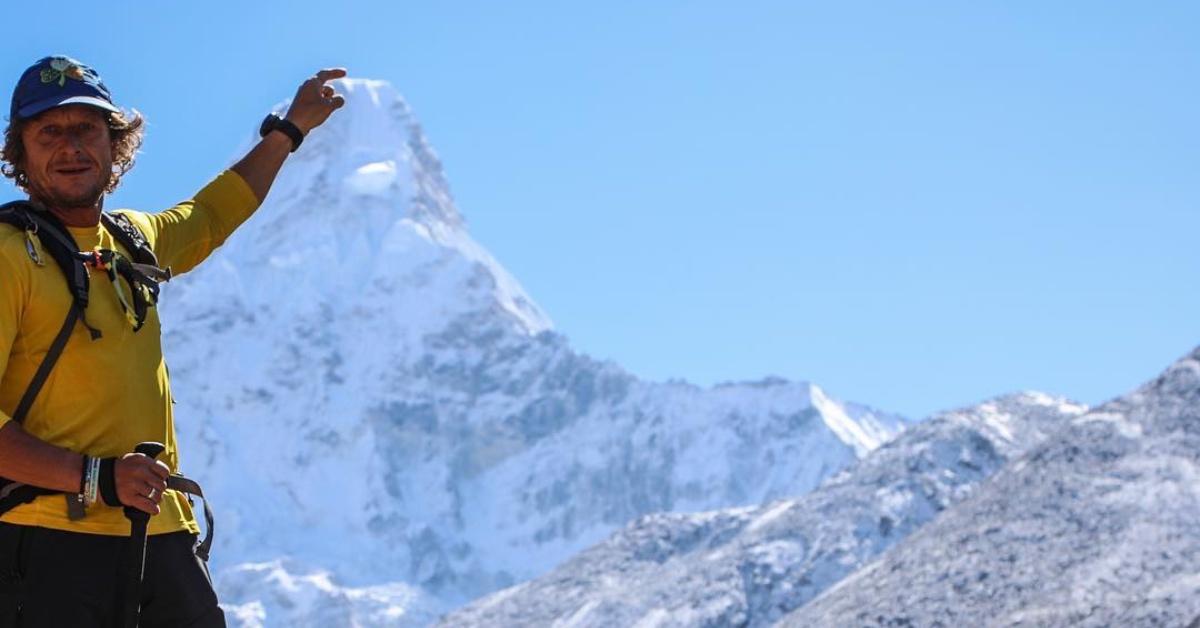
135	557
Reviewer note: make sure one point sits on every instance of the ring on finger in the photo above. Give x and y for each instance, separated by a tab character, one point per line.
153	492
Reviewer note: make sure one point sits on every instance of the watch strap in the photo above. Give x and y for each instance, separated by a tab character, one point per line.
287	127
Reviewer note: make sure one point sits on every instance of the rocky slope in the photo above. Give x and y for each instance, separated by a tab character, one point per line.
1097	526
750	566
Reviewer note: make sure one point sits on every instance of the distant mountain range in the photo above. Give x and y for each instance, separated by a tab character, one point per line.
751	566
1099	525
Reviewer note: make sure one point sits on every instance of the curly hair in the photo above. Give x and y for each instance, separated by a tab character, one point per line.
125	130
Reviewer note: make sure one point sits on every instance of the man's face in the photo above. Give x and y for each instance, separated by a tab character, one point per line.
68	156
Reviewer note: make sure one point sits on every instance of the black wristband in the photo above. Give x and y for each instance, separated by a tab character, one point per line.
287	127
83	475
108	482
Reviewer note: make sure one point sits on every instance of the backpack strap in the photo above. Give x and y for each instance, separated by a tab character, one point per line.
61	246
13	494
124	231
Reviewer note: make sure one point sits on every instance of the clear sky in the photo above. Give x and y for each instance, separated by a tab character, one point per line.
915	205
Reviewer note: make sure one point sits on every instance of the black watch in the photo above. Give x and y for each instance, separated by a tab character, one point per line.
274	123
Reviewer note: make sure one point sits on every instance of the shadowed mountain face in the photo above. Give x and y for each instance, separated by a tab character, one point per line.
1097	526
388	424
750	566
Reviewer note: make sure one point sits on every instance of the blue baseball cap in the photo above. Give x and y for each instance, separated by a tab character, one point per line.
56	81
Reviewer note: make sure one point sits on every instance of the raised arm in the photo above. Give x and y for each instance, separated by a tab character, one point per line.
310	108
184	235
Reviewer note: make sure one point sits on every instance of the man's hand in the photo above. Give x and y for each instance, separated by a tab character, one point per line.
310	109
315	100
141	481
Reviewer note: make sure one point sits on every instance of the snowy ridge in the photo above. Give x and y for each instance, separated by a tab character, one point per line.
750	566
1097	526
414	426
281	598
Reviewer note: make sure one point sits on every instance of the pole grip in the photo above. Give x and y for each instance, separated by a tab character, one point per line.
153	450
149	448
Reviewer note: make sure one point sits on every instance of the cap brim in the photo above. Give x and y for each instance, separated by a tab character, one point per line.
29	111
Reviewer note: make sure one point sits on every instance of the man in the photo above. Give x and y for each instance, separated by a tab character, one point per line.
67	145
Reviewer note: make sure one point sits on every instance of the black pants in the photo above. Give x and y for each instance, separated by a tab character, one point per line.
50	578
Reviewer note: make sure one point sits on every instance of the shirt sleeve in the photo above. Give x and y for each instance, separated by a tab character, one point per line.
186	234
13	287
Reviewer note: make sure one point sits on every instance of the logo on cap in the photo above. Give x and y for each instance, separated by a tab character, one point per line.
60	70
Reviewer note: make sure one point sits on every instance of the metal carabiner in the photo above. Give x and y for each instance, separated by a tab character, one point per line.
30	247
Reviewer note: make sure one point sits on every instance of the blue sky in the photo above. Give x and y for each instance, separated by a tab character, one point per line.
914	205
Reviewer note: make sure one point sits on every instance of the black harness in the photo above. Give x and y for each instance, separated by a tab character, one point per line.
140	275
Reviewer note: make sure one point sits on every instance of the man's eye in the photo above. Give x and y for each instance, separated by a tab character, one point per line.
51	131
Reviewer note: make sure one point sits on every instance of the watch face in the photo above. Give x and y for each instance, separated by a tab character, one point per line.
268	124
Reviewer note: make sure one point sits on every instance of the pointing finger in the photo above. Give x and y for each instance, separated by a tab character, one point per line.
330	73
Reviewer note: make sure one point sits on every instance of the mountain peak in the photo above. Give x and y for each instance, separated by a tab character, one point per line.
371	155
364	207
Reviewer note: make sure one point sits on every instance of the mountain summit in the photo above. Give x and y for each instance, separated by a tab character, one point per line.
372	401
361	204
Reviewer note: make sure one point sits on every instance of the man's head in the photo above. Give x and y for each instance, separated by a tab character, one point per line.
67	143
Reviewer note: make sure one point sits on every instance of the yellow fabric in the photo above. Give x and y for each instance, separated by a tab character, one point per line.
104	396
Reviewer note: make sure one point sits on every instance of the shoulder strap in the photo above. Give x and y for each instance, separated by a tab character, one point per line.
132	238
61	246
47	365
56	240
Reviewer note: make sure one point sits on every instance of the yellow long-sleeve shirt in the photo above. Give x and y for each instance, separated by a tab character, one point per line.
104	396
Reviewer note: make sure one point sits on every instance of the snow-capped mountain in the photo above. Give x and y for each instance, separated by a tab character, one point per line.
388	425
750	566
1097	526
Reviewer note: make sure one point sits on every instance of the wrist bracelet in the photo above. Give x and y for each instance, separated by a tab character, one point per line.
83	475
93	483
89	481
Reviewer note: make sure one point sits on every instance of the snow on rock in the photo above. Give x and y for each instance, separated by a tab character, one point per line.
750	566
1096	526
315	599
373	179
366	393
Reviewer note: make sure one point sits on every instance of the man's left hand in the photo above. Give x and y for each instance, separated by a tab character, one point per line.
315	100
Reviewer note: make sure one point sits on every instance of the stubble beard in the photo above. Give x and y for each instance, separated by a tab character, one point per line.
88	200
